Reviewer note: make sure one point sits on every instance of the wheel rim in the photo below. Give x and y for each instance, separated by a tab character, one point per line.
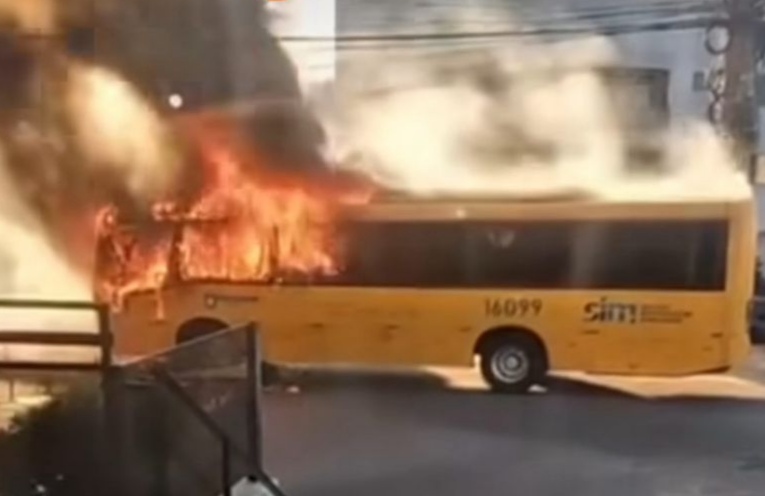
510	365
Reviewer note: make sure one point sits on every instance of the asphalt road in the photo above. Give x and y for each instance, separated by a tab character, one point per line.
380	435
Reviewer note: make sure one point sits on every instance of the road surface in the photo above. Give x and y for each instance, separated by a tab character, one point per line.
415	436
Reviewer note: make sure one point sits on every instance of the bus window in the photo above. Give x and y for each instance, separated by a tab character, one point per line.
531	255
653	255
422	254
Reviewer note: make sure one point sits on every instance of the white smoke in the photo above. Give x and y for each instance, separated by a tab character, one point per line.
698	165
32	269
523	119
115	127
118	136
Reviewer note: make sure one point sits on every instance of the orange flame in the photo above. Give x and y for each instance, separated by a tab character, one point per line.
131	265
245	225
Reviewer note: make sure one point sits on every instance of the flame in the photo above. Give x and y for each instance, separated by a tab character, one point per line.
247	223
131	265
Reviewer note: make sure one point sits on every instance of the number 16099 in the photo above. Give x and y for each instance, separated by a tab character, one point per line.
513	307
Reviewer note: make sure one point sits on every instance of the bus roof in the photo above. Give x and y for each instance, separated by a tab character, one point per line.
570	205
401	208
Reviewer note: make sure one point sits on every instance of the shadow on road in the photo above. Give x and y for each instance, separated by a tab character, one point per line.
350	432
314	380
324	379
573	387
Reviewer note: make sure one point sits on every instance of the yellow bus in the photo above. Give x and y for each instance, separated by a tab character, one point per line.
644	288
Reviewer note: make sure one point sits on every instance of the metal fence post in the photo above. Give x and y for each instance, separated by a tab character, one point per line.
254	384
113	424
226	467
159	442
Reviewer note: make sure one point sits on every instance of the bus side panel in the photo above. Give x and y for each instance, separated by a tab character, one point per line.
617	332
142	326
742	259
580	330
672	334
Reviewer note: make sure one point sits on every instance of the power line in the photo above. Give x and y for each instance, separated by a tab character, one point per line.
497	16
696	23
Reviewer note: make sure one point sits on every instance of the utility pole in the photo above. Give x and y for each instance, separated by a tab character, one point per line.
739	114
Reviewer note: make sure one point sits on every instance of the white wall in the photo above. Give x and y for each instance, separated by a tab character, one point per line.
682	52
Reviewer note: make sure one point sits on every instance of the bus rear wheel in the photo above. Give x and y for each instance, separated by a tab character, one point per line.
512	364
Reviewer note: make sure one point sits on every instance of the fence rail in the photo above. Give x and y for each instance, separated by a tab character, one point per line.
185	421
101	339
52	304
202	399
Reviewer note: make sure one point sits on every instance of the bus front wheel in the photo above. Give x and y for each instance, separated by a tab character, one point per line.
512	363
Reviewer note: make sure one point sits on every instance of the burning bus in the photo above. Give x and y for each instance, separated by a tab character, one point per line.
651	288
339	272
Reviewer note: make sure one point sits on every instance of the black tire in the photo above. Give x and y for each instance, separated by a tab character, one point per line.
512	364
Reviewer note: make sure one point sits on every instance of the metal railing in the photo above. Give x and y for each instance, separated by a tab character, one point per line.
101	339
193	417
185	421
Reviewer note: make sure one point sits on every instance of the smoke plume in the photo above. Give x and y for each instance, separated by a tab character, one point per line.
524	118
73	137
83	126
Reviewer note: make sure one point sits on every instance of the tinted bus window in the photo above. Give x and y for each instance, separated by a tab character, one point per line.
404	254
653	255
605	255
529	255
